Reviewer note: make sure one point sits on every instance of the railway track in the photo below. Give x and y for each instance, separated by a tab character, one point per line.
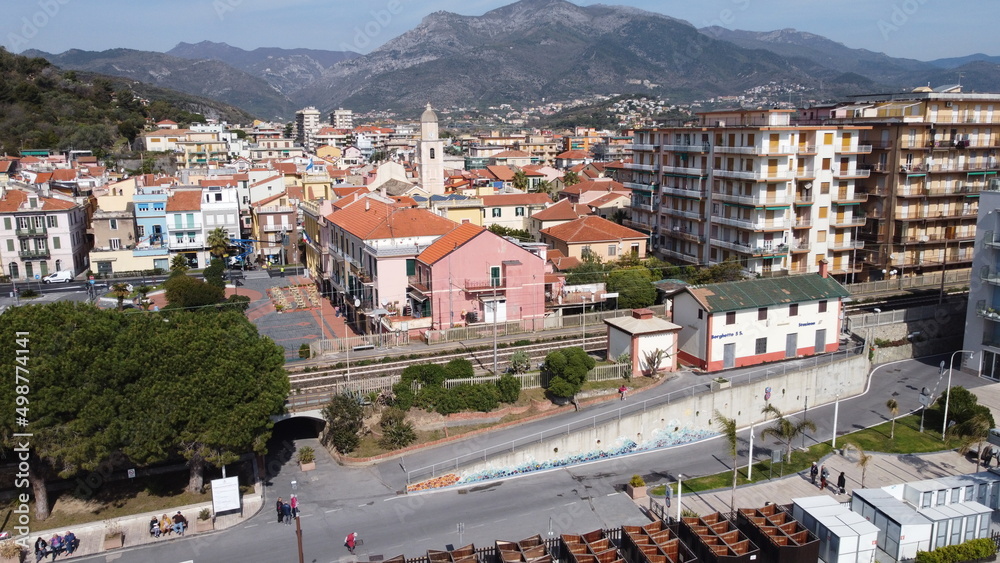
482	360
889	304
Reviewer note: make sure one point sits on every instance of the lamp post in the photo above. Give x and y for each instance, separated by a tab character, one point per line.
836	411
583	323
947	391
680	486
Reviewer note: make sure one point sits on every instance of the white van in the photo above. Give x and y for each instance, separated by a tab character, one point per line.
60	276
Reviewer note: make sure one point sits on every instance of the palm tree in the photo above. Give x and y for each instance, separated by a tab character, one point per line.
972	432
619	216
785	430
864	460
728	426
218	242
893	407
178	264
520	180
570	178
121	291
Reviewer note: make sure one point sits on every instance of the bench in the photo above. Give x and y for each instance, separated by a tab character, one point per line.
362	347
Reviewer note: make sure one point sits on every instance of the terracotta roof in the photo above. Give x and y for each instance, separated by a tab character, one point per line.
184	200
371	219
13	199
450	242
592	229
42	177
511	154
63	175
5	165
515	199
269	199
344	191
404	201
265	180
166	132
606	199
602	185
503	173
578	168
166	122
564	210
286	167
566	262
295	192
30	160
573	155
216	183
554	278
96	170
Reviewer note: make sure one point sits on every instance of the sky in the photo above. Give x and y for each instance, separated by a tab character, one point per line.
918	29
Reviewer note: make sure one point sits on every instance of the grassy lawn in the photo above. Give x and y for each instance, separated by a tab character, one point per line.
907	439
118	499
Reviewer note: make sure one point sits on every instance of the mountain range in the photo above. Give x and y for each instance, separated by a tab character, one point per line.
526	52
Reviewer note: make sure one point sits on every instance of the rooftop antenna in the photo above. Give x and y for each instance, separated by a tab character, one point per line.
960	75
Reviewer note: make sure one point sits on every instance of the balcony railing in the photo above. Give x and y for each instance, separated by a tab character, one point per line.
759	200
672	190
761	151
185	244
36	253
753	251
848	245
684	234
803	198
802	224
988	313
803	246
858	149
756	175
991	240
31	231
687	148
684	170
637	166
990	276
678	255
489	284
682	213
276	228
641	186
856	173
854	221
641	147
844	198
753	225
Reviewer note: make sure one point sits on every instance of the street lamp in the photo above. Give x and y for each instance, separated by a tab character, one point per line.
947	390
583	323
680	477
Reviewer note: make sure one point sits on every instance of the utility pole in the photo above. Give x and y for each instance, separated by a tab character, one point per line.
496	311
298	538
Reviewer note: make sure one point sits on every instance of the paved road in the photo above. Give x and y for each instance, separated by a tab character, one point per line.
338	500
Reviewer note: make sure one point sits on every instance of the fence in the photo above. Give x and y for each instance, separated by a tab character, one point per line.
633	408
354	343
930	280
855	323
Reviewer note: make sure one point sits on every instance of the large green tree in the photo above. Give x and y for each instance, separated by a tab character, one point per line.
218	242
634	287
566	370
185	292
344	417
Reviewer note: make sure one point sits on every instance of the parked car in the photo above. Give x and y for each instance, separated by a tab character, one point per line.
60	276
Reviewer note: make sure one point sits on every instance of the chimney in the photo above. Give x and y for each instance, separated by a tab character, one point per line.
642	314
368	204
824	268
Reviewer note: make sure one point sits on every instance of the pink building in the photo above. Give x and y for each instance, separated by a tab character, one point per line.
471	274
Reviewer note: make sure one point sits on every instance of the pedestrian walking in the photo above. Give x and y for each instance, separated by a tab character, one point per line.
281	513
842	483
813	472
294	502
351	541
824	474
621	391
282	271
286	513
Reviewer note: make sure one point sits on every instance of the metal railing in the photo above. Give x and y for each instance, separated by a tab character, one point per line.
629	409
952	278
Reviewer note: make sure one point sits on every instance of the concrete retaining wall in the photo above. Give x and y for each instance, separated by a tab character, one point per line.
691	417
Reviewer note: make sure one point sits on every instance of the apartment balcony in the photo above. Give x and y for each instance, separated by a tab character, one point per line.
641	147
988	313
991	240
486	285
849	174
34	253
937	216
683	192
641	186
686	170
857	220
186	245
642	206
767	150
162	250
417	289
844	198
757	175
800	246
642	167
759	200
857	149
751	224
642	227
31	232
804	199
688	148
802	224
990	276
188	227
276	228
775	250
805	173
678	255
682	213
684	234
846	245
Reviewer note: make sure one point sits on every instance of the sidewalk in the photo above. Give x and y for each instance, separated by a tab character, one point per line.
884	469
136	527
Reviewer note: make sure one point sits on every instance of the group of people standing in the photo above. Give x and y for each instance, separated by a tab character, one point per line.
287	510
824	475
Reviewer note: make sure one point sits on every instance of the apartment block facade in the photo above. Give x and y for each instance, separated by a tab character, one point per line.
40	235
751	186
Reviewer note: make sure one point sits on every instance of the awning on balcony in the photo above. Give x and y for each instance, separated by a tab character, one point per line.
847	203
915	175
416	296
776	206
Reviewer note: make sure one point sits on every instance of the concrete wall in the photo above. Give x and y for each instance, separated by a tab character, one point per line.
685	420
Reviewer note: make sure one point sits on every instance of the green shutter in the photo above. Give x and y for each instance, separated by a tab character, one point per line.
10	245
55	243
411	266
6	223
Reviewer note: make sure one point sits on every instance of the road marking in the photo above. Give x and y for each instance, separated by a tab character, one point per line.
334	510
569	503
251	526
611	494
477	526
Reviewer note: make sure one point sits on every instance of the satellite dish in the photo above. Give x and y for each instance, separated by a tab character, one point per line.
357	302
